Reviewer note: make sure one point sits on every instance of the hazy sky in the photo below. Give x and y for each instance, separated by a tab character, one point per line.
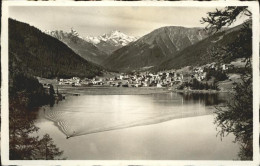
94	21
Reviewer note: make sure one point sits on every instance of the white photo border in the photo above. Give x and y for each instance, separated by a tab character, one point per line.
253	5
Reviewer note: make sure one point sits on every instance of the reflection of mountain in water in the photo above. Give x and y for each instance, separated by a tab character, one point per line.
81	115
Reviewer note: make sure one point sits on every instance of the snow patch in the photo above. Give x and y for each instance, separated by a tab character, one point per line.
116	37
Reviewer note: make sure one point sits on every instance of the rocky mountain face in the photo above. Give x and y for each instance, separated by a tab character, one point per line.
85	49
154	48
111	41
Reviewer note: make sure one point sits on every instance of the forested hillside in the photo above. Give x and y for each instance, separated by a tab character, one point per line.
35	53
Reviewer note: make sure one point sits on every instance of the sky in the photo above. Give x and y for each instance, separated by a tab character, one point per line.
95	21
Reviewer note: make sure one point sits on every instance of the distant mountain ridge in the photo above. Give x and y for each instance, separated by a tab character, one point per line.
79	45
200	53
153	48
165	48
111	41
33	52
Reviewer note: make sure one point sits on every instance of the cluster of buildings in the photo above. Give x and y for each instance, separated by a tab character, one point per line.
126	80
162	79
74	81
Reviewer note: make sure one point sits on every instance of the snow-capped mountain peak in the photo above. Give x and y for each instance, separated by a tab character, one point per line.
74	32
114	37
107	42
59	34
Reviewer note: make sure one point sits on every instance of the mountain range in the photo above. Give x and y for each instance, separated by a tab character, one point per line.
93	49
154	48
58	53
85	49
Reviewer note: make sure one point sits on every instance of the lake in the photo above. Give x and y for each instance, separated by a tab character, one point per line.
136	124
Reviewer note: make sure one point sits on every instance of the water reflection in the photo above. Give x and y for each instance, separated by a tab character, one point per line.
168	126
88	114
208	99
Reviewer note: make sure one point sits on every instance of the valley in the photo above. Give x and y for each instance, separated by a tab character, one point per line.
105	89
163	49
172	57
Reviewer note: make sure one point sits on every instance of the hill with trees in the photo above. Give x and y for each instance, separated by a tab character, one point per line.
35	53
201	53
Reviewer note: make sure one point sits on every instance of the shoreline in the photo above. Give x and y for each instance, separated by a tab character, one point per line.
132	90
201	91
223	89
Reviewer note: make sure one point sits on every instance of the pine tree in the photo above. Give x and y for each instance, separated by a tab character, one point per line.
24	91
237	116
22	144
47	149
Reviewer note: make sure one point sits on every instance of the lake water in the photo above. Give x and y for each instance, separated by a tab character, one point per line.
143	124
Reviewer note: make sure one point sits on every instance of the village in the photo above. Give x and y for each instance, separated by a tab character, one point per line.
147	79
